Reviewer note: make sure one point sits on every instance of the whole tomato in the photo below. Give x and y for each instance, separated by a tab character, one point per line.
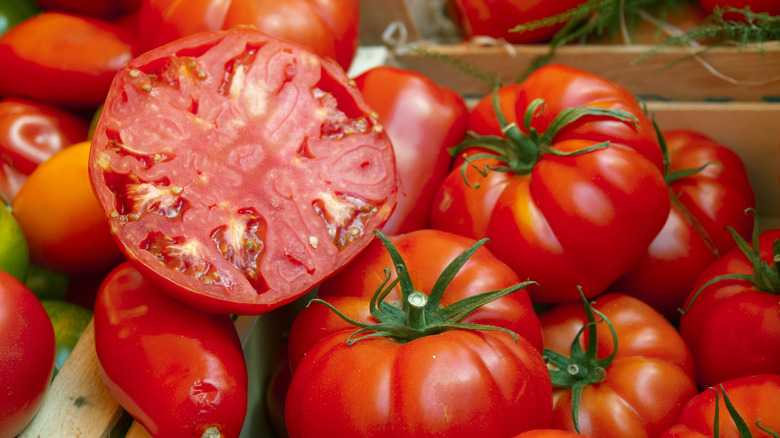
421	371
427	255
756	400
497	18
177	370
423	120
328	27
62	59
628	375
730	318
27	359
574	198
238	170
709	190
770	6
61	218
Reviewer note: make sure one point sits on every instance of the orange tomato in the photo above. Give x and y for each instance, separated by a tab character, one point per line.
61	218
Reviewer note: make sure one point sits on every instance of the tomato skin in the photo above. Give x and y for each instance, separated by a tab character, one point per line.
61	218
495	18
327	27
565	223
62	59
750	342
422	119
646	385
31	132
27	361
755	398
450	384
271	201
177	370
549	433
695	234
426	253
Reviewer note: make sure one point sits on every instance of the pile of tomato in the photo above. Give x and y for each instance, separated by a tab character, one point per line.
545	262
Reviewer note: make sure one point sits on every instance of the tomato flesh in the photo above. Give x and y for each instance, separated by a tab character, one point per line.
240	169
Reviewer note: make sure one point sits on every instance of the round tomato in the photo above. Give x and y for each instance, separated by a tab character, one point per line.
31	132
178	371
710	190
239	170
730	318
328	27
756	400
575	197
61	218
105	9
14	11
62	59
629	375
427	254
423	120
27	359
497	18
14	252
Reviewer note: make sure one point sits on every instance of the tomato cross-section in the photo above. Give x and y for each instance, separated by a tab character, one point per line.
239	170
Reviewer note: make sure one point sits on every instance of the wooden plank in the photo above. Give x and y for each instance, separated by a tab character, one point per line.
755	71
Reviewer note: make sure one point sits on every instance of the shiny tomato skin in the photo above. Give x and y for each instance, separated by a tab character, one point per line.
104	9
695	235
327	27
61	217
646	385
566	222
254	178
31	132
452	384
756	398
27	359
426	253
495	18
732	327
422	119
62	59
176	369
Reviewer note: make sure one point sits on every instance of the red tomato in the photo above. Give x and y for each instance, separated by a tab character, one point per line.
732	325
770	6
639	391
328	27
239	170
427	253
562	220
61	218
455	384
31	132
62	59
756	399
496	18
178	371
105	9
27	360
423	120
549	433
703	205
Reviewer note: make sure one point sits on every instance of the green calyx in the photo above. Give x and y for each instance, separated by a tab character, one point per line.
582	368
765	277
739	422
418	314
519	152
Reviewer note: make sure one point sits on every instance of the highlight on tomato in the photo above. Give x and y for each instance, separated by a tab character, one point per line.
730	318
177	370
61	218
627	373
238	170
568	186
421	371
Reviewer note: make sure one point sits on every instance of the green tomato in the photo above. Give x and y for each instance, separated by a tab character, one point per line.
69	321
45	284
14	252
14	11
